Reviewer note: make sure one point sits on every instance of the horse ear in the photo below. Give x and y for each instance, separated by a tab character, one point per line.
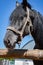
17	3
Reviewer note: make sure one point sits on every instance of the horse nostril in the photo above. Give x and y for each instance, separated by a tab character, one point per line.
8	41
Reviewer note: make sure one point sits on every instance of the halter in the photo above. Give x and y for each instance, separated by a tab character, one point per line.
21	32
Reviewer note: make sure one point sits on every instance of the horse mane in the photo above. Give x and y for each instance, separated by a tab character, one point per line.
38	28
25	3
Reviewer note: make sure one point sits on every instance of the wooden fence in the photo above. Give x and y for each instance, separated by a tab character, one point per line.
22	54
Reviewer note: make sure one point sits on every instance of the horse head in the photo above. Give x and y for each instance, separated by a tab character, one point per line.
20	26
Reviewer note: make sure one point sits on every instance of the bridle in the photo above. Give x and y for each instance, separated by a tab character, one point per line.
28	20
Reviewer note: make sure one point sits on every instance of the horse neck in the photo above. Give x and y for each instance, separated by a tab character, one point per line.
38	29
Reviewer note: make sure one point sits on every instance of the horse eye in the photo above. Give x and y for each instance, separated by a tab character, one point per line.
28	23
21	18
25	15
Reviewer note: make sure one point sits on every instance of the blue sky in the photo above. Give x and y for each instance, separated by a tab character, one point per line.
6	7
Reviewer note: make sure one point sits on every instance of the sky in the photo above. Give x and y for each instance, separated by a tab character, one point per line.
6	7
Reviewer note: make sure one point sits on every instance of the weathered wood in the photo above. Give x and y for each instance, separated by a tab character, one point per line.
22	54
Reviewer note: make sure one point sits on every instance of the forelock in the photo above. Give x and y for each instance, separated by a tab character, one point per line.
19	11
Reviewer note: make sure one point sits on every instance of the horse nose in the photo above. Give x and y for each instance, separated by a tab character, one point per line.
6	41
8	44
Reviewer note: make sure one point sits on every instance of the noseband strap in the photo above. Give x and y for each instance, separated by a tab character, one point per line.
21	32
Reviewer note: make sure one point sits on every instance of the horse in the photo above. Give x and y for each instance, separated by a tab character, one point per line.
23	23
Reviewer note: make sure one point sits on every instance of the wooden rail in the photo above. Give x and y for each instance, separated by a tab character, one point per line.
22	54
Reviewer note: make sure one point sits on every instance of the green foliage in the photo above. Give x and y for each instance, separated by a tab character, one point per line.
1	58
10	59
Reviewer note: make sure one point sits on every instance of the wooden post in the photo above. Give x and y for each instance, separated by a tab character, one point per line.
22	54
